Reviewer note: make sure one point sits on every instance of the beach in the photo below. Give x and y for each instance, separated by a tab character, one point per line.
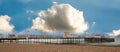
15	47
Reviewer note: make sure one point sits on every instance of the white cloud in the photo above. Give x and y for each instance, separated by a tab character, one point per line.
54	2
5	26
32	32
93	24
114	33
29	11
60	17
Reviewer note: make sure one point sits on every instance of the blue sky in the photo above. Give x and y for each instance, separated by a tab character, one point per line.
105	13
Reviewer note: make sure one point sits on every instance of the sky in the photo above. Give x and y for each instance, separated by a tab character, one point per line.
101	16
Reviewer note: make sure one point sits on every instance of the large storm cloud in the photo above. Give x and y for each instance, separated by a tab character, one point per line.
60	17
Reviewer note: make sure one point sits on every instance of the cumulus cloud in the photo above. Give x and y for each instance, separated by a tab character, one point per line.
60	17
115	33
5	26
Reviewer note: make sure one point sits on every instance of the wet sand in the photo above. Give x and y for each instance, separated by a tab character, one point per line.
14	47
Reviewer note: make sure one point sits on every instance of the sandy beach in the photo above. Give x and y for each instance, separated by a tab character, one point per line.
14	47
